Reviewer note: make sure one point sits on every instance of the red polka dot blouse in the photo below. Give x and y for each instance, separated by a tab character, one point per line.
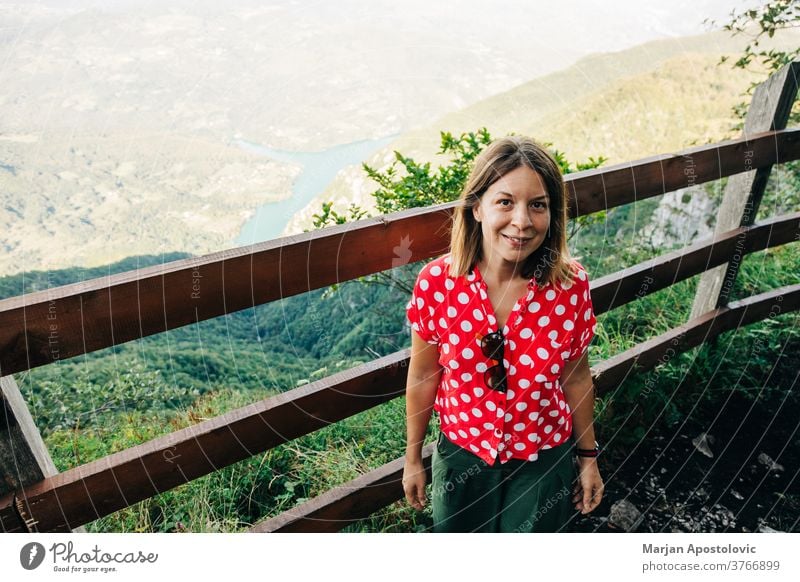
548	326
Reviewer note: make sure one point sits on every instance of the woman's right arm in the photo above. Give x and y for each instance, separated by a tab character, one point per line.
424	374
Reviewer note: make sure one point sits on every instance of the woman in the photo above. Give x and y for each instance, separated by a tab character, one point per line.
500	331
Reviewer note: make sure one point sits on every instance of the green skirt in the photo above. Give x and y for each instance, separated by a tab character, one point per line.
469	495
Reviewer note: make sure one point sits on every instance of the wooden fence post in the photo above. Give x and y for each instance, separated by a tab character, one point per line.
769	110
24	458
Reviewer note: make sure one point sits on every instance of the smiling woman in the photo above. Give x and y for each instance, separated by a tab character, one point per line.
500	332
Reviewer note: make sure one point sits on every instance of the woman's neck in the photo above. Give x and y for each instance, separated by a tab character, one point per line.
500	274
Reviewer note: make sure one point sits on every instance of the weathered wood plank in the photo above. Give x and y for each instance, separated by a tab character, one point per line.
24	458
609	187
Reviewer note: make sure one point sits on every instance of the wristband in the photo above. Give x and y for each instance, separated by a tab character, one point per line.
588	452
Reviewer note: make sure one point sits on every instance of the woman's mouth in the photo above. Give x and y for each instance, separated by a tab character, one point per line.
515	241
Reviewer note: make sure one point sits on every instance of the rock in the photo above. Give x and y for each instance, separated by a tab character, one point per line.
680	218
767	461
766	529
624	515
724	515
703	443
736	494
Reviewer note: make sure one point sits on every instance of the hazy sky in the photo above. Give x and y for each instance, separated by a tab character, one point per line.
299	74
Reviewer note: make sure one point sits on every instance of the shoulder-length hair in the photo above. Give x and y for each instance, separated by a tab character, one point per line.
551	262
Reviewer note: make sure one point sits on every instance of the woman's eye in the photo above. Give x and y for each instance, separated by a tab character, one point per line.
538	204
504	202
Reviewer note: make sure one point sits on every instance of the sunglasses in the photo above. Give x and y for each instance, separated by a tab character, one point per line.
492	347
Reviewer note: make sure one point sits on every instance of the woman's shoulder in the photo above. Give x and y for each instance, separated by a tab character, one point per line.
432	277
579	274
436	268
578	269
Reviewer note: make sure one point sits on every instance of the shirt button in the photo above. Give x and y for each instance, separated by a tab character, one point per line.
498	432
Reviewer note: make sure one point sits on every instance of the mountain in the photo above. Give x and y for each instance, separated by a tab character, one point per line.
92	200
659	97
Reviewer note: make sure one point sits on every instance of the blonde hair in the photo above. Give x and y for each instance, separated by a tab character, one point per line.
551	262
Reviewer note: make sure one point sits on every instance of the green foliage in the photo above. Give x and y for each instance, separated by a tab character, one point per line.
328	216
757	24
768	19
417	186
67	405
407	183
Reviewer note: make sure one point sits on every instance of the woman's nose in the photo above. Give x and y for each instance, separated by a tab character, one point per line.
521	217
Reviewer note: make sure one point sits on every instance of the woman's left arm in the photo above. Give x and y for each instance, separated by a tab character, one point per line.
576	382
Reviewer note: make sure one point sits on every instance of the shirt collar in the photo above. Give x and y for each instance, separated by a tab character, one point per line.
474	276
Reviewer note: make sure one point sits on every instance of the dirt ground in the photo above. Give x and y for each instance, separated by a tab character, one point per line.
667	484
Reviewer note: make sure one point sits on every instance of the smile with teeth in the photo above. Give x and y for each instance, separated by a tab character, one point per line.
517	240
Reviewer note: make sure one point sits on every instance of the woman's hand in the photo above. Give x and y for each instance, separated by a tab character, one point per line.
589	487
414	484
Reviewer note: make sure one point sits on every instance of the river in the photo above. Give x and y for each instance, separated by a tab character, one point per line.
318	169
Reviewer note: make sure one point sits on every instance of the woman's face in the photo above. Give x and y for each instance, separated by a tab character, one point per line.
514	214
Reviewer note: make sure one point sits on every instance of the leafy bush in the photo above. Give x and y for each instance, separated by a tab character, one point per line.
407	183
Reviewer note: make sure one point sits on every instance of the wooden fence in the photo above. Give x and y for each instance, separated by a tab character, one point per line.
104	312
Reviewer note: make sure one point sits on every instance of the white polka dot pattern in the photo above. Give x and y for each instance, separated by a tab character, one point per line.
547	326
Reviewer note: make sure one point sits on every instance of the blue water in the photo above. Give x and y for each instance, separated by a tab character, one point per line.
318	170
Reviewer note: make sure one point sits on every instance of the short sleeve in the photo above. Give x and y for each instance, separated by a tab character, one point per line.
585	321
420	309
